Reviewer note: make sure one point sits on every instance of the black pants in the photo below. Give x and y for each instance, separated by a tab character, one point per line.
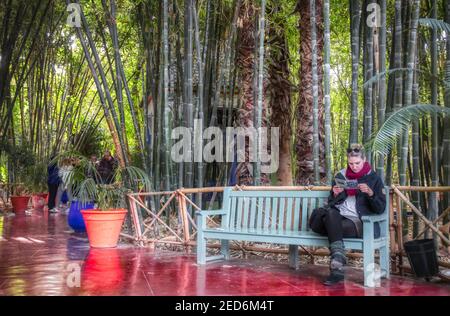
329	222
52	191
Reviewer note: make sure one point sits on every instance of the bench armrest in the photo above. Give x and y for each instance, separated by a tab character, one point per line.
373	218
211	213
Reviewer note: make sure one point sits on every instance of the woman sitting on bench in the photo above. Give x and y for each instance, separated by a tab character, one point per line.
356	191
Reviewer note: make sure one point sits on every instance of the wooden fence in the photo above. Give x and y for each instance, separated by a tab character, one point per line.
151	227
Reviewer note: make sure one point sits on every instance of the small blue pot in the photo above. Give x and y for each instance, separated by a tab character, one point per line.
75	219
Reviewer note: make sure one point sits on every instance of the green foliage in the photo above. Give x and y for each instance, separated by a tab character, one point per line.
435	24
85	182
399	122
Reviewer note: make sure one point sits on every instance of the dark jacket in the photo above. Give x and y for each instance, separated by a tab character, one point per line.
53	177
365	204
106	170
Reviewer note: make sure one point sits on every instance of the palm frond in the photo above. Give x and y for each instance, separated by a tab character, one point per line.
135	176
86	191
377	77
399	121
435	24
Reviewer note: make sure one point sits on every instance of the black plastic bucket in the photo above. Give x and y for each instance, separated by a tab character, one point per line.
422	257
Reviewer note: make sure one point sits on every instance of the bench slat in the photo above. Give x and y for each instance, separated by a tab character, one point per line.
252	212
274	212
289	214
260	213
267	212
311	208
232	213
239	212
245	212
281	213
305	205
297	211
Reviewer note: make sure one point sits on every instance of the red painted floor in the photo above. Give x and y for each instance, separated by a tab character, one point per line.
39	255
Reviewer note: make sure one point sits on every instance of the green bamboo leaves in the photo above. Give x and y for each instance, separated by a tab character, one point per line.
399	122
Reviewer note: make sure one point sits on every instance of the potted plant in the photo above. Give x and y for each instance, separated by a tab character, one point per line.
21	171
38	184
104	223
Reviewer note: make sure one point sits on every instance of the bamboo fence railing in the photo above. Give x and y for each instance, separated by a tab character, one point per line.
153	229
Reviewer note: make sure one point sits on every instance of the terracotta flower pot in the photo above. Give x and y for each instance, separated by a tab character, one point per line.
20	203
103	227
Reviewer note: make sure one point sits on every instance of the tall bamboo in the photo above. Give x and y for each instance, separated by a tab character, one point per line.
446	140
165	93
368	96
121	150
200	100
415	153
326	80
382	83
355	12
408	85
433	203
259	108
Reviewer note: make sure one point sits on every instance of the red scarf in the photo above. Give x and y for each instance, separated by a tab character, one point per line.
349	174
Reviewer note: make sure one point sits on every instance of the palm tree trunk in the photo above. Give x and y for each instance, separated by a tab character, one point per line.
245	61
279	90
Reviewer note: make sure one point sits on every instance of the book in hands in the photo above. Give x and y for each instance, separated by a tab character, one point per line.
346	184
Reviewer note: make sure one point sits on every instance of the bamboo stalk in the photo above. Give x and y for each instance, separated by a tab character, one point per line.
355	11
326	77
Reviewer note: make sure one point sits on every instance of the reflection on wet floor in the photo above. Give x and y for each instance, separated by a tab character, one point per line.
40	255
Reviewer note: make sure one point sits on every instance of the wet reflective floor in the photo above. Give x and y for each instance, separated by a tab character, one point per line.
40	255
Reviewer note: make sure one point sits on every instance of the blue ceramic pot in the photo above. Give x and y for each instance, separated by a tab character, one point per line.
75	219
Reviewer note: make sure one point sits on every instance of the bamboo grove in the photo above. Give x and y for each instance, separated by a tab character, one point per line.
327	72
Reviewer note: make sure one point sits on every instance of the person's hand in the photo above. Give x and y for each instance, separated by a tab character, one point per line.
365	189
337	190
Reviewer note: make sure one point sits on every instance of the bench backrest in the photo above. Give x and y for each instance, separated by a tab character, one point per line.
271	210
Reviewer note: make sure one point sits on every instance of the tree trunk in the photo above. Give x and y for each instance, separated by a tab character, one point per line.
245	63
305	142
279	91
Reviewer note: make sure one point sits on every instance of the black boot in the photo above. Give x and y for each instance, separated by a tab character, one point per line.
337	263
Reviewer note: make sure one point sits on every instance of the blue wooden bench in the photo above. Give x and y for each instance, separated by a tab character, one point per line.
281	217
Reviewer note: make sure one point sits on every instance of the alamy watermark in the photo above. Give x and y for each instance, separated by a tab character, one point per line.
227	146
73	279
74	17
374	15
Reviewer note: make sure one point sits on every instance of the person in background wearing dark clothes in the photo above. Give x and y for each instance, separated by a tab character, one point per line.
356	191
106	168
53	182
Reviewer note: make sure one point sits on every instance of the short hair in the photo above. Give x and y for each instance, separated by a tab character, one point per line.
356	150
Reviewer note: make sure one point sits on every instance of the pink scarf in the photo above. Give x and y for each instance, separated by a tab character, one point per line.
349	174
